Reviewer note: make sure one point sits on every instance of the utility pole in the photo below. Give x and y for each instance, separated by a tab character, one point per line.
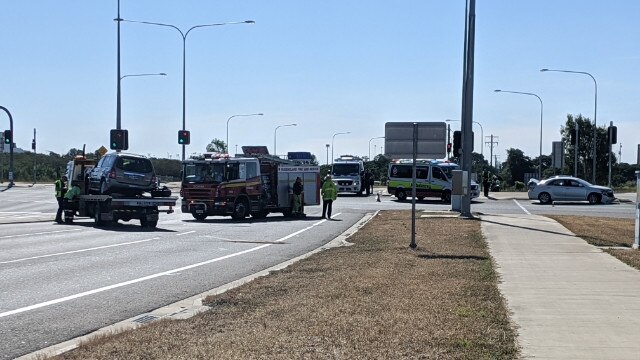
620	153
495	162
2	158
492	140
33	147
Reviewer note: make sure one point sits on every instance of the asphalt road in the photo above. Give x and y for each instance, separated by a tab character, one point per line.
58	282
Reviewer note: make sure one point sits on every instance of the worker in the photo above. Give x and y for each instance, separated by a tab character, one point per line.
368	182
298	189
61	188
70	194
486	182
329	193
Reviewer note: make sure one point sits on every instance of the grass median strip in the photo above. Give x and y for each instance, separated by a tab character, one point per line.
604	232
374	300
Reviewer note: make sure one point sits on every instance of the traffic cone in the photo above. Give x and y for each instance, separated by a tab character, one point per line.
378	197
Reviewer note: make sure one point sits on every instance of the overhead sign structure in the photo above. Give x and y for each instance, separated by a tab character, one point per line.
431	140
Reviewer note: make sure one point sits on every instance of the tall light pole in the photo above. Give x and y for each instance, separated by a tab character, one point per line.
333	138
231	117
379	137
541	111
275	132
184	57
481	136
595	112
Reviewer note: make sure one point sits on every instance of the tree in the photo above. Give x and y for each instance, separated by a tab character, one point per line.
516	165
217	145
585	148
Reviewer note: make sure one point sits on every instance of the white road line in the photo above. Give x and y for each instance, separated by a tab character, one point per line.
521	207
78	251
40	233
185	233
153	276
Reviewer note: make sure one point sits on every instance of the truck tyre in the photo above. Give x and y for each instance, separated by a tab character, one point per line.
149	224
240	209
199	217
68	219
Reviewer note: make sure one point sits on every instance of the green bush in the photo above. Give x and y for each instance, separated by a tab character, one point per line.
519	185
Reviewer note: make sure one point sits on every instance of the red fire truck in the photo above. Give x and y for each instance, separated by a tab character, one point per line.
254	184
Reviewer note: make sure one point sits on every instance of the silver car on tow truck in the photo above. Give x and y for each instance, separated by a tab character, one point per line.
569	188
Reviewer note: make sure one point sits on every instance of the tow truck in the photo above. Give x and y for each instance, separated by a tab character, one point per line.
108	209
253	183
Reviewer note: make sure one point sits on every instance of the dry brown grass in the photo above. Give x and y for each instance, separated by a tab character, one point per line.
601	231
373	300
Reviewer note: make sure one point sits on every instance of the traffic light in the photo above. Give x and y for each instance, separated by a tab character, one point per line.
184	137
33	144
457	143
8	137
119	139
448	148
613	134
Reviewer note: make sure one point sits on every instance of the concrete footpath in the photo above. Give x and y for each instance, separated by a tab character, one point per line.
569	299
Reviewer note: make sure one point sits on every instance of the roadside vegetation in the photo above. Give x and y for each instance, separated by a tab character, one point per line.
609	233
373	300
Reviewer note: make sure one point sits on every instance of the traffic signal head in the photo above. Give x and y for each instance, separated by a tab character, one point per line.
613	134
449	148
119	139
184	137
8	137
457	143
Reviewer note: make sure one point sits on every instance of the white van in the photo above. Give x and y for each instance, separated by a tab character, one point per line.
433	179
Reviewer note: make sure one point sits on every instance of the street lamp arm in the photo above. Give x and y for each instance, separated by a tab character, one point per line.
157	24
218	24
130	75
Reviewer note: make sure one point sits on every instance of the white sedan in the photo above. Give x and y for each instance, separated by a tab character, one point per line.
569	188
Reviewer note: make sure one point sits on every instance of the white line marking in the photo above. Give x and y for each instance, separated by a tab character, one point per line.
153	276
40	233
78	251
185	233
521	207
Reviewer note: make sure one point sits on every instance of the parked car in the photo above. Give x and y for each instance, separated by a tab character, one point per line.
121	173
569	188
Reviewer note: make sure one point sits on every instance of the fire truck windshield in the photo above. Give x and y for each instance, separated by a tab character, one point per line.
346	170
203	173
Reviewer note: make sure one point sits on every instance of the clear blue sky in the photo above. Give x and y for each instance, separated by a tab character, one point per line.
329	66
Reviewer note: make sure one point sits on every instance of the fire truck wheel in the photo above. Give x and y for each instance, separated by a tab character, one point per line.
240	209
150	224
199	217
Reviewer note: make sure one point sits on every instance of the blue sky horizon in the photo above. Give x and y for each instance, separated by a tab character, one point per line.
330	66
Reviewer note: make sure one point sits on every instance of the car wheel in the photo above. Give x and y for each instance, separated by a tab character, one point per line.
199	217
544	198
240	209
401	195
446	196
594	198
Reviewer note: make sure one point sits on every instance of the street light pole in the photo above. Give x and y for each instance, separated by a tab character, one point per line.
379	137
275	153
595	112
333	138
231	117
184	58
541	112
328	154
481	136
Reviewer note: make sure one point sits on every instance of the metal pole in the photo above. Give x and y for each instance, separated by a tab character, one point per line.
575	150
327	154
467	110
413	244
35	155
636	243
118	95
610	149
10	146
595	127
184	88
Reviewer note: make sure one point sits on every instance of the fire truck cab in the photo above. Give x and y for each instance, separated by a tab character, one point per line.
254	184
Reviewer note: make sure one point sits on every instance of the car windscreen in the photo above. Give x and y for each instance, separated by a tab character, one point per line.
203	173
345	170
132	164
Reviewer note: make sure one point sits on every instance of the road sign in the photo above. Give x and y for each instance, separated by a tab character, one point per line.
557	154
432	140
102	150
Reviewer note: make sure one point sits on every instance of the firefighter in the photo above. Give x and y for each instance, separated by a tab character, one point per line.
329	193
298	188
61	189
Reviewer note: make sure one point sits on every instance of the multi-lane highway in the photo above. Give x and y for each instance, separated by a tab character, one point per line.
58	282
